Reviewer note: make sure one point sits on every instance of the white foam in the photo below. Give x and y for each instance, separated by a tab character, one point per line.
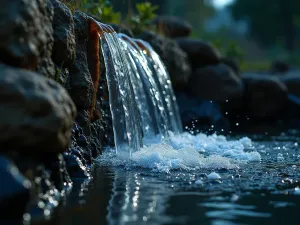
219	145
213	176
297	191
184	152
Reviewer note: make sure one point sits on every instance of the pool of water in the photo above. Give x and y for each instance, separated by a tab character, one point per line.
263	192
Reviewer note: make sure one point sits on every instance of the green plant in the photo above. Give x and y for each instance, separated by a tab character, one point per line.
234	51
99	8
231	50
145	13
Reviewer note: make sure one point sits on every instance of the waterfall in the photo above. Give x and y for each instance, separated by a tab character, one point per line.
165	86
141	97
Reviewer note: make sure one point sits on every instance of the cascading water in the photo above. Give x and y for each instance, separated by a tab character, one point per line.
165	86
126	120
144	107
144	75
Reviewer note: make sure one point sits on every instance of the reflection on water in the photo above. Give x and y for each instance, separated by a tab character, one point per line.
257	193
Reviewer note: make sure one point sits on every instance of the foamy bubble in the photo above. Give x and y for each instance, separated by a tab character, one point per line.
184	151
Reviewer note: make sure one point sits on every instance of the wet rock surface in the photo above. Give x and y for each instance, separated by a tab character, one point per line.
64	48
36	112
172	27
14	190
46	65
81	86
218	83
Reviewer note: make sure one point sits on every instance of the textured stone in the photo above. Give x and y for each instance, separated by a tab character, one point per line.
36	113
46	65
63	53
81	85
26	34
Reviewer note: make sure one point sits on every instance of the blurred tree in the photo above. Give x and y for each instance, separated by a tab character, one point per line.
271	22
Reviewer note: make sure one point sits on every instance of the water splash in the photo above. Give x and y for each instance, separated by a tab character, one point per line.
146	121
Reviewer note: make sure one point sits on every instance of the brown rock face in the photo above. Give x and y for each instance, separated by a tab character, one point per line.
36	113
26	35
217	83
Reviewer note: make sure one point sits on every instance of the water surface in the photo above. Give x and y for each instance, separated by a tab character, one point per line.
263	192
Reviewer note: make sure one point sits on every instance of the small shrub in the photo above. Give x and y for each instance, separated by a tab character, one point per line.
145	13
101	9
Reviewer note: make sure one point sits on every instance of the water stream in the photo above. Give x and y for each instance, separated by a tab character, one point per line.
158	174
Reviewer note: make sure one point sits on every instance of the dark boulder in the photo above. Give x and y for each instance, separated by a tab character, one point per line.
292	82
37	113
14	191
26	35
232	63
46	65
217	83
63	53
174	58
279	67
265	96
200	54
172	27
81	85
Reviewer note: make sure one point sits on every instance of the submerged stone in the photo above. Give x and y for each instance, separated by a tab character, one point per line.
14	190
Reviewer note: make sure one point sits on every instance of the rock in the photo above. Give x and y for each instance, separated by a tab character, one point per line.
279	67
172	27
37	114
14	190
232	63
75	167
46	65
26	34
63	53
81	85
265	96
122	29
174	58
200	54
217	83
292	82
